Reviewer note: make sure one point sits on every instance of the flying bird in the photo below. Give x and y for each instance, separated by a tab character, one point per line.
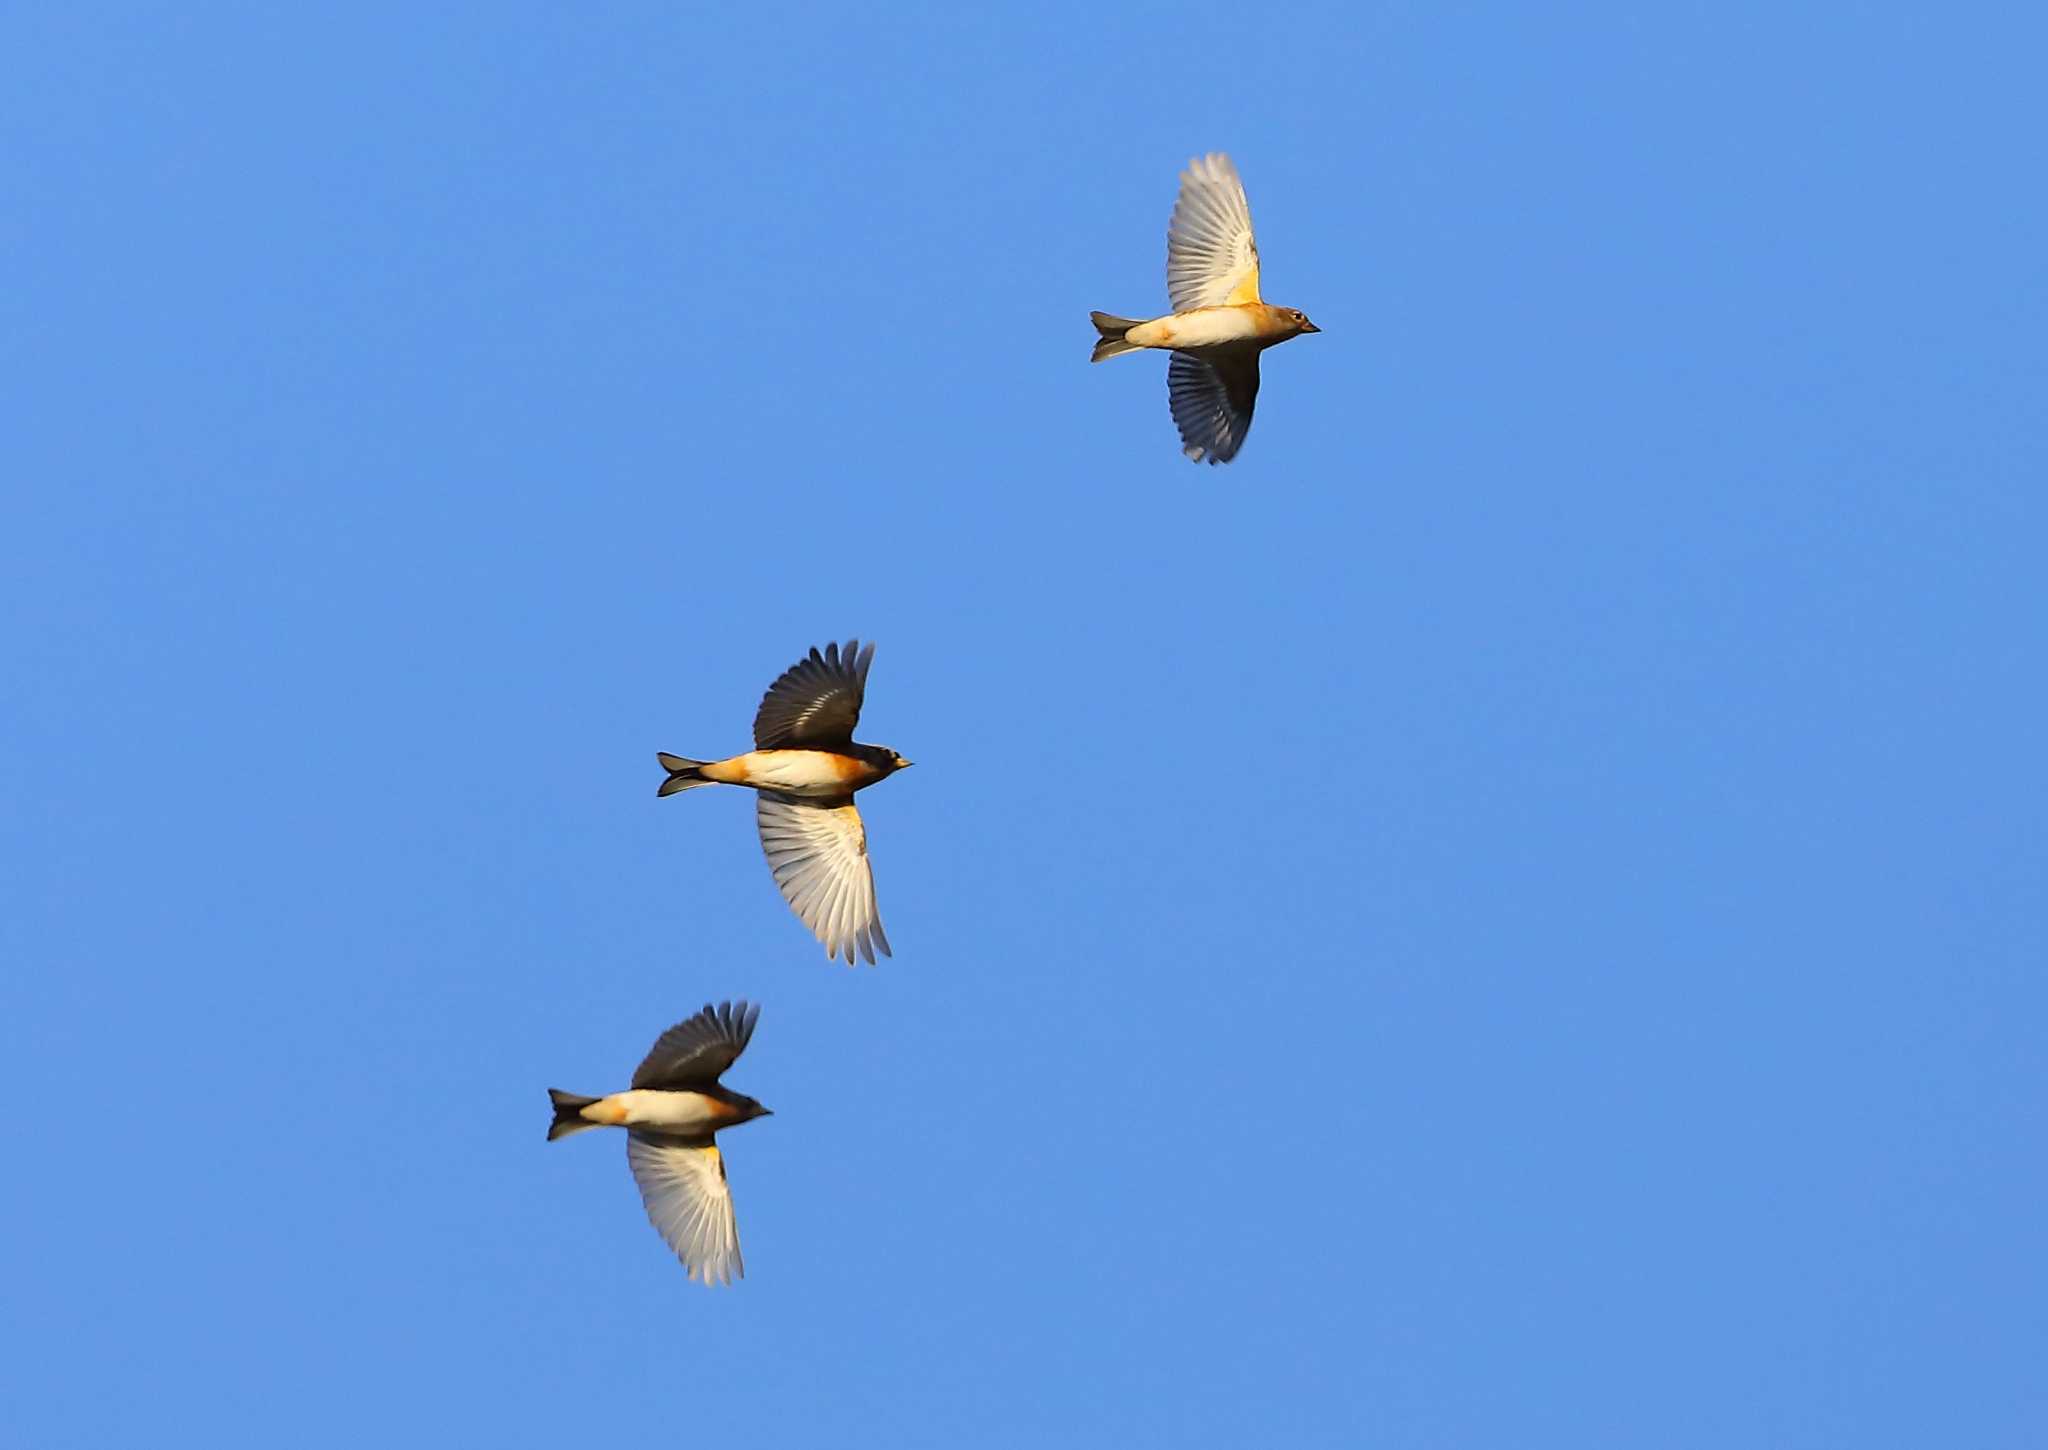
806	768
1219	325
672	1115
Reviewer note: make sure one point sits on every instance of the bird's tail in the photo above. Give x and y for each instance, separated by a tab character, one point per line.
568	1114
683	773
1112	330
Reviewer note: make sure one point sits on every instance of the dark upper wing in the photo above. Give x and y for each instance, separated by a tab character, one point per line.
698	1050
817	700
1212	403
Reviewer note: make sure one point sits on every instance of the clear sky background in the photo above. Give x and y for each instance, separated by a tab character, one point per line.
1510	916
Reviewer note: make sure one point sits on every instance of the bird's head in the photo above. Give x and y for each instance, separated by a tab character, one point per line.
750	1109
1300	320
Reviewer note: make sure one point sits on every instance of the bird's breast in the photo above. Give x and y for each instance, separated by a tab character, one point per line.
822	773
1204	327
676	1112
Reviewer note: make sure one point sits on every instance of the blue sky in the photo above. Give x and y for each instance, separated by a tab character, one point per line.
1511	915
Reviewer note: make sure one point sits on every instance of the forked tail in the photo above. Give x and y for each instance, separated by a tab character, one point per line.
1112	330
683	773
568	1114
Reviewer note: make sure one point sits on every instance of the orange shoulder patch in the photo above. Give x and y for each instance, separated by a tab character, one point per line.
1247	290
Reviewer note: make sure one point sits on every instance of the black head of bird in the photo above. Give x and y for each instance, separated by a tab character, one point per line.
750	1109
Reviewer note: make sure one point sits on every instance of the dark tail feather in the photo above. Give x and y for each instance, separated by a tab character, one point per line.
683	773
568	1114
1112	330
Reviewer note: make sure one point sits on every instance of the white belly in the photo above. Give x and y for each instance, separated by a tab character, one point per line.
1204	327
676	1112
798	772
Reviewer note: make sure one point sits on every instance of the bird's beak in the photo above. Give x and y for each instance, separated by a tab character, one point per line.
905	764
1310	327
767	1112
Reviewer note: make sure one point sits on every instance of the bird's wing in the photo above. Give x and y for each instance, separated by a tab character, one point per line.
816	702
682	1182
697	1050
819	854
1211	260
1212	403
